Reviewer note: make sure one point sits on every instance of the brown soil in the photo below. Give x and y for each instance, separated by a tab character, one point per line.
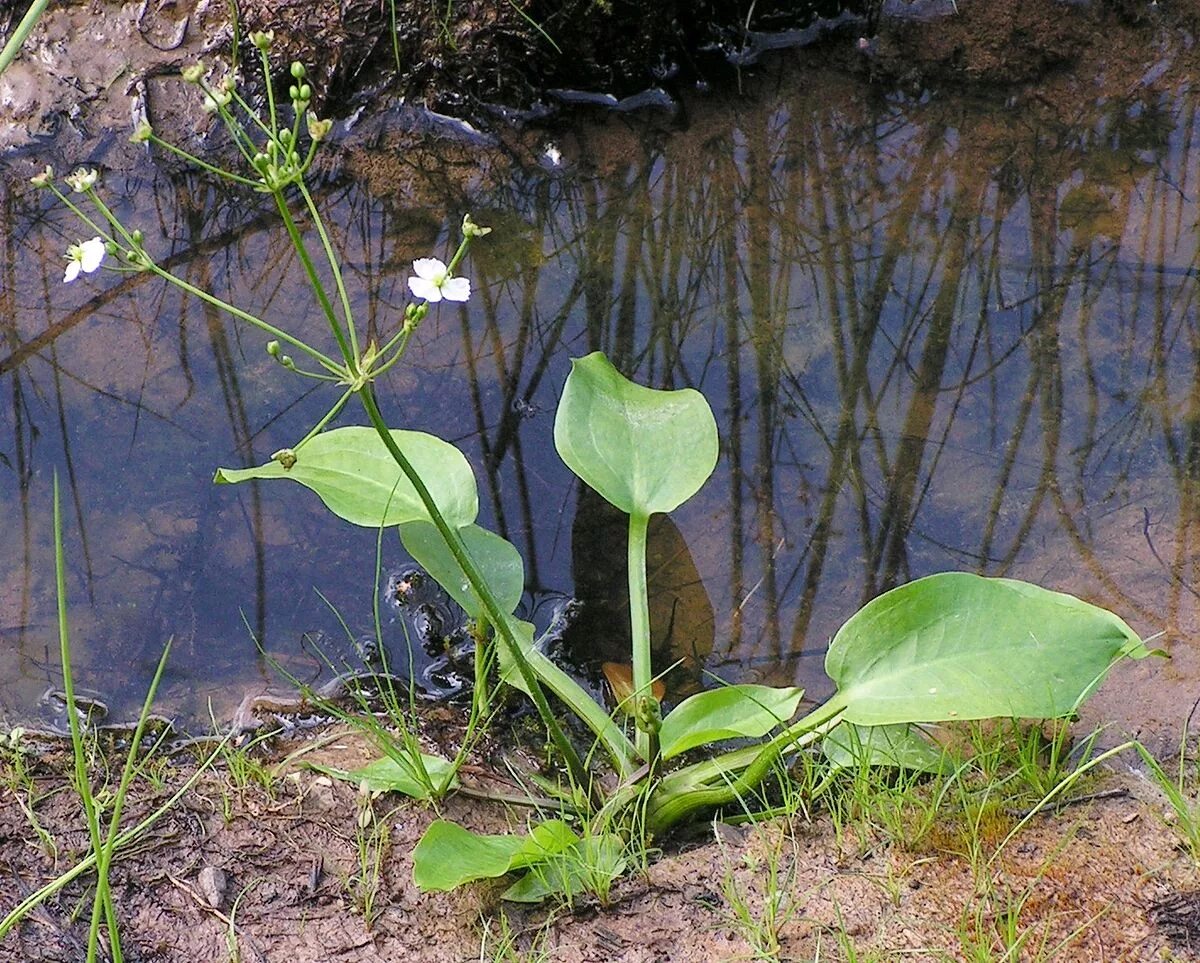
1083	884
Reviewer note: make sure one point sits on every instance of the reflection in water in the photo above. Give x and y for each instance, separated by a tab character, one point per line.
936	334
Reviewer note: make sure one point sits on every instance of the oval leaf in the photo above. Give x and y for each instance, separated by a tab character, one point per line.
644	450
960	646
448	855
733	711
899	747
352	472
496	558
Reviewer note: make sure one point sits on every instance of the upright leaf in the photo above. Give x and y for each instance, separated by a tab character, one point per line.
497	559
643	449
960	646
353	473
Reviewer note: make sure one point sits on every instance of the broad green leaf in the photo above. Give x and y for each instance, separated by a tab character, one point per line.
899	747
497	560
589	865
388	775
733	711
644	450
448	855
352	472
960	646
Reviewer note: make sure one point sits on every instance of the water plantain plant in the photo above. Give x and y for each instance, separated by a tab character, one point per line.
953	646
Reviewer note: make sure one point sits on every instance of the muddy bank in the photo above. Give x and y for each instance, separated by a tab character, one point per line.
275	862
91	70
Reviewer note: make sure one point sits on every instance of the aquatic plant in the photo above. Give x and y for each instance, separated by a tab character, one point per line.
952	646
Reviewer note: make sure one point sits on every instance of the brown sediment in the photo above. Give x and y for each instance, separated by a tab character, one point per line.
276	869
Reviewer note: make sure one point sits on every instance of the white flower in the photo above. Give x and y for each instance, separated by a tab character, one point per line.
84	257
433	282
82	180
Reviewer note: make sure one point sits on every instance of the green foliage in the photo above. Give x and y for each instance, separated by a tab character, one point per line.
960	646
644	450
557	861
498	560
730	712
398	775
354	474
951	646
449	855
897	746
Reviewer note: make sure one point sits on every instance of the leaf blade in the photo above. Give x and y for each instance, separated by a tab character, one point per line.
730	712
961	646
352	472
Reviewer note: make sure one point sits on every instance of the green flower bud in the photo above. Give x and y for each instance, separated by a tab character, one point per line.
297	70
44	179
263	39
286	457
273	349
142	134
471	229
194	73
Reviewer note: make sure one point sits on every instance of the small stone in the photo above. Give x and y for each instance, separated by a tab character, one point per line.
213	884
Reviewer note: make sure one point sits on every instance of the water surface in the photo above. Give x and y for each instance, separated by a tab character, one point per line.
945	332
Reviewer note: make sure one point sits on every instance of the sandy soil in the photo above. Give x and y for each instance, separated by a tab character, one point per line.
273	873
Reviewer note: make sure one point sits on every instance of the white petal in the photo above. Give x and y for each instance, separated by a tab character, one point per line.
456	289
424	289
72	272
429	268
91	254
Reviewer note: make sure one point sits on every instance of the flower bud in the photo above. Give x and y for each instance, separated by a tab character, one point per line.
286	457
44	179
297	70
142	134
137	236
273	349
263	39
193	73
305	93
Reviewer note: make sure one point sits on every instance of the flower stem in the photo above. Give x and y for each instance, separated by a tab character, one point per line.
351	358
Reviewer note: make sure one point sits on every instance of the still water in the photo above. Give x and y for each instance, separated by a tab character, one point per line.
938	332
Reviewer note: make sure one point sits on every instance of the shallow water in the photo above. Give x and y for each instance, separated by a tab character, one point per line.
938	333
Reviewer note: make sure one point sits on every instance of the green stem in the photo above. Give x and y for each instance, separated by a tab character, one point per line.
320	425
639	625
495	614
203	165
83	783
331	257
241	315
314	281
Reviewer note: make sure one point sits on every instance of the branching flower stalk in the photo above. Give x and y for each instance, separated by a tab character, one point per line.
279	168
